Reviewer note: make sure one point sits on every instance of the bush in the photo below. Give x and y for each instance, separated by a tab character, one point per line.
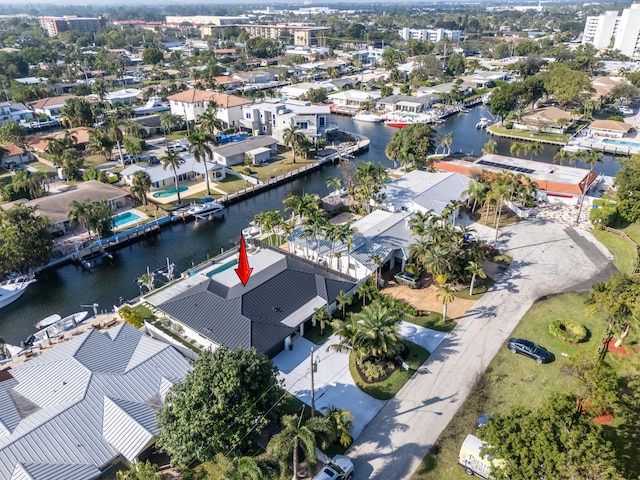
568	330
604	213
373	371
508	125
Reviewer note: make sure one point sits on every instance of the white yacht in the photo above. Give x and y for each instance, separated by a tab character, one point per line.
13	288
368	117
205	207
153	105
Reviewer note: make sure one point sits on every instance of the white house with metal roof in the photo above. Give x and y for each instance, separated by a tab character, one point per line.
77	410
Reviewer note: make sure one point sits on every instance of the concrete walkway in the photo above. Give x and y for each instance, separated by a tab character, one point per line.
547	258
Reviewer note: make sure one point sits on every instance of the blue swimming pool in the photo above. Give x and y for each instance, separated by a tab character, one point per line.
222	268
622	143
170	191
124	218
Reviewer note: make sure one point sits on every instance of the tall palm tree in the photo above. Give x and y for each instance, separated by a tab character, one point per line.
170	121
291	138
498	192
174	161
80	212
517	148
341	422
535	149
591	159
476	271
490	148
322	316
201	151
112	126
284	445
99	142
262	467
141	185
562	156
366	291
446	297
209	121
134	129
446	141
335	183
342	301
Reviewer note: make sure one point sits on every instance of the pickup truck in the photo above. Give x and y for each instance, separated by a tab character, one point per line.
338	468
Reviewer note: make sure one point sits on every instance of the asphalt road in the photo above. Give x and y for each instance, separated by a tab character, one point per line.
548	258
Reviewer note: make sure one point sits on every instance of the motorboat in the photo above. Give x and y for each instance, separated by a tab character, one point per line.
56	329
153	105
403	120
14	287
483	123
46	321
368	117
205	207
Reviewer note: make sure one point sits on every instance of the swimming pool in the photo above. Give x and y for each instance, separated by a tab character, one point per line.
170	191
222	268
622	143
124	218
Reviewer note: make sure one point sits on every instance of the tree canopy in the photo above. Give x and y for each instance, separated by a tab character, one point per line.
628	192
412	145
221	407
25	239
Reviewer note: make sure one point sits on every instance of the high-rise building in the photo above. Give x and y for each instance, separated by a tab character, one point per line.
431	34
56	25
610	30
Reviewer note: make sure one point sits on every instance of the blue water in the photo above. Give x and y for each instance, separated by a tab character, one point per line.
169	192
126	217
626	143
222	268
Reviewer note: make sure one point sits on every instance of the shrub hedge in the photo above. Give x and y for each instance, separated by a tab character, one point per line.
568	330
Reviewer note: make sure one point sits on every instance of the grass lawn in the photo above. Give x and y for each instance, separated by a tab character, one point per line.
41	167
506	218
388	388
624	255
232	184
95	160
480	287
512	380
283	164
529	135
313	334
432	320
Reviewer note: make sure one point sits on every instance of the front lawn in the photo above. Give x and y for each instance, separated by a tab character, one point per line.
480	287
275	168
622	250
232	184
432	320
387	388
514	380
313	334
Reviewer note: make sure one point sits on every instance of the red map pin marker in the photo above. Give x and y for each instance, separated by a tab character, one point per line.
243	270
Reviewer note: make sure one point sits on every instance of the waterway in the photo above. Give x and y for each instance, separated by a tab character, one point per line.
64	290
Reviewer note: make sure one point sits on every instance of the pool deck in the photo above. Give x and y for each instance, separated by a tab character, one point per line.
141	217
194	188
602	144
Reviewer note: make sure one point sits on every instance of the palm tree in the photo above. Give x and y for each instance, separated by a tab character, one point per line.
446	296
134	129
170	121
335	183
343	300
174	161
321	315
366	291
563	156
99	142
517	148
262	467
490	148
141	185
377	260
291	138
201	151
535	149
80	212
112	126
590	160
476	271
209	121
341	422
499	191
284	445
446	140
476	190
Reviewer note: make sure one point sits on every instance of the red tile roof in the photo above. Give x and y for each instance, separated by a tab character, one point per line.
222	99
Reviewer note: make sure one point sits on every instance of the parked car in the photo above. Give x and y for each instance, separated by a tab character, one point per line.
529	349
176	148
408	279
153	160
624	110
338	468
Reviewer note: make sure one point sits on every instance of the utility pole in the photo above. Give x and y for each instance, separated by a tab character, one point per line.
313	392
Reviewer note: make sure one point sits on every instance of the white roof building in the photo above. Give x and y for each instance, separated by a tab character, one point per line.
76	409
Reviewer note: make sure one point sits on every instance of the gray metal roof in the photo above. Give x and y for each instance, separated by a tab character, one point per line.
236	148
260	315
70	411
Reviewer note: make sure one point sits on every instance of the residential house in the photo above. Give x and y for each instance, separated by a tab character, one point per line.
610	128
546	119
257	149
125	96
50	106
298	90
406	103
228	84
14	111
190	104
190	170
603	85
442	89
353	98
14	156
214	308
483	78
39	143
77	410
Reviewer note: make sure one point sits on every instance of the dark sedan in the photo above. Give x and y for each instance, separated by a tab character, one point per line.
529	349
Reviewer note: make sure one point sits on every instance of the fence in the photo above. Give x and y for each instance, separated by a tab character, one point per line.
635	268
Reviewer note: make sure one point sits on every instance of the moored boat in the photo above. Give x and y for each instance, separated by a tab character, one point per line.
14	287
205	207
368	117
57	328
45	322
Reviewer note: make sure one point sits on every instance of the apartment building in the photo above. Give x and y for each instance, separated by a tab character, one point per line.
610	30
206	19
304	36
431	34
56	25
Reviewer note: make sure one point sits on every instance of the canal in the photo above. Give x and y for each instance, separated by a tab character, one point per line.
64	290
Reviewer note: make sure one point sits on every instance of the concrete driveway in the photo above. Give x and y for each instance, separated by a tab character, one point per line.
548	258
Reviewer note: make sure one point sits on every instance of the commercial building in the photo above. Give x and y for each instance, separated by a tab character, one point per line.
610	30
431	34
206	19
56	25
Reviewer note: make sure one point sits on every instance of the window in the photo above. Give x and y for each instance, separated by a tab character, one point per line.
303	125
247	116
322	122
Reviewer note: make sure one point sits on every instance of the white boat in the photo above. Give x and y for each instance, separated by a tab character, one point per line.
368	117
14	287
575	148
153	105
57	329
205	207
483	123
46	321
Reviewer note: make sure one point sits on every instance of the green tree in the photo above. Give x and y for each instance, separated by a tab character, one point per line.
598	383
152	55
490	148
209	120
201	151
12	132
99	142
628	193
76	112
291	137
322	316
114	133
141	185
170	121
173	161
72	162
262	467
341	422
476	271
446	297
343	300
25	240
139	471
565	84
221	407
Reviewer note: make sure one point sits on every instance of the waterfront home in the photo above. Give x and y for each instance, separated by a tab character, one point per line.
257	149
190	104
39	143
555	182
55	206
546	119
190	170
406	103
353	98
610	128
299	90
51	106
125	96
442	89
14	156
483	78
14	111
212	307
86	406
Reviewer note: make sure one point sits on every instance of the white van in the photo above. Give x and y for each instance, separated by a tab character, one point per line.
473	461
